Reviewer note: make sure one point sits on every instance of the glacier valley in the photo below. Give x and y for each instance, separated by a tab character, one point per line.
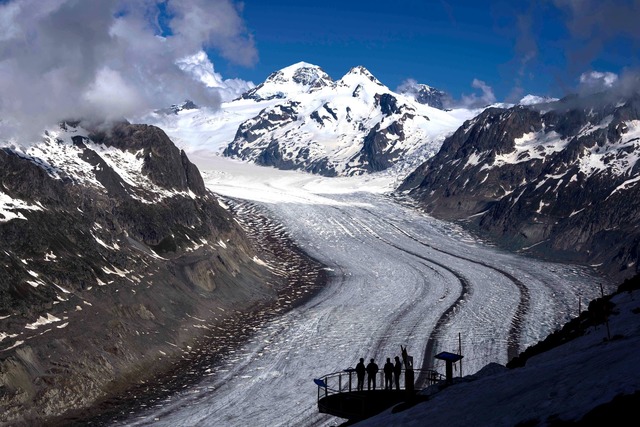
397	277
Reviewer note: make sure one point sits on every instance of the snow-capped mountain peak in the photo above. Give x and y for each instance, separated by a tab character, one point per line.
301	77
360	76
353	126
302	73
299	118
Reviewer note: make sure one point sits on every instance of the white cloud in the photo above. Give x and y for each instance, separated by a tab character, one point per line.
217	24
475	100
596	80
408	86
201	68
111	97
107	59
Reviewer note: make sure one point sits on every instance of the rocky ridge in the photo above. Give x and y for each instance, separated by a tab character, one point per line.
115	258
557	179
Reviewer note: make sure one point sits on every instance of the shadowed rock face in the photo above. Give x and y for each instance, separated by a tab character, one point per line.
102	278
564	181
165	164
426	95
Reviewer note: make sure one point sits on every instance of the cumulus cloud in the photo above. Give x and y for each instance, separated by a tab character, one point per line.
476	100
110	58
610	86
201	68
599	89
408	86
596	81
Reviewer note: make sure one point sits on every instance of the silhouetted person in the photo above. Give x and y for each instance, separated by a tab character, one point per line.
372	370
397	370
360	370
408	369
405	357
388	375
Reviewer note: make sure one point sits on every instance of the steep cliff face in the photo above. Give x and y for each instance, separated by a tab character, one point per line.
560	179
114	258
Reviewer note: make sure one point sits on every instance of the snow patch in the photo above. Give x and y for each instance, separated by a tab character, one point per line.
530	146
10	208
42	321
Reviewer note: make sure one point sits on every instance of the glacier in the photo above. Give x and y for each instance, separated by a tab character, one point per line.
397	277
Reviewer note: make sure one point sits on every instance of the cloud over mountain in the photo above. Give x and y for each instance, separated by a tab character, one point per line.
109	59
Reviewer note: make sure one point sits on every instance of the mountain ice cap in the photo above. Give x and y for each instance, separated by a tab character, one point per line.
301	73
361	71
289	71
298	65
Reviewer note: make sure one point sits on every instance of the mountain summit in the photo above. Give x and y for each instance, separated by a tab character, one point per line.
351	126
356	74
298	78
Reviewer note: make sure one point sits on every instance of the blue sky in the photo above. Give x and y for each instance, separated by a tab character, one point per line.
105	59
516	47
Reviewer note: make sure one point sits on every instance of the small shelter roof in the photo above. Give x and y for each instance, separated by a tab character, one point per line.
450	357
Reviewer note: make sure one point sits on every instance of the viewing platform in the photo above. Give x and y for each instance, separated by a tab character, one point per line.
338	394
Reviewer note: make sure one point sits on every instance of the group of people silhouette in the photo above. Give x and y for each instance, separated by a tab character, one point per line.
391	374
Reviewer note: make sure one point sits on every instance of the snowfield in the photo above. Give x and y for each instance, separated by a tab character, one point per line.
398	277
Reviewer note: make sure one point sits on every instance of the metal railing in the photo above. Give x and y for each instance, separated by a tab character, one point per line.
347	381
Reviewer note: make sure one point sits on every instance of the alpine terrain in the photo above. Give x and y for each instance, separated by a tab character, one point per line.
116	261
300	118
350	126
198	228
558	179
126	270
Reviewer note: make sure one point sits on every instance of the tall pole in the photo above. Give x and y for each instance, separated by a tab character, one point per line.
606	316
579	305
460	352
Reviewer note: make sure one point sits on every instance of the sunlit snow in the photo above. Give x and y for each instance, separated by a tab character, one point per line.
10	208
42	321
394	274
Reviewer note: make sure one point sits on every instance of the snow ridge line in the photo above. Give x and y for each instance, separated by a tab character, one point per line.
467	290
515	332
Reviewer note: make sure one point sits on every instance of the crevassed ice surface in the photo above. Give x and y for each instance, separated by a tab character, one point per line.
398	277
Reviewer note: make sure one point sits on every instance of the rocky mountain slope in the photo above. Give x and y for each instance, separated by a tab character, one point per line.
115	258
351	126
558	179
425	94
